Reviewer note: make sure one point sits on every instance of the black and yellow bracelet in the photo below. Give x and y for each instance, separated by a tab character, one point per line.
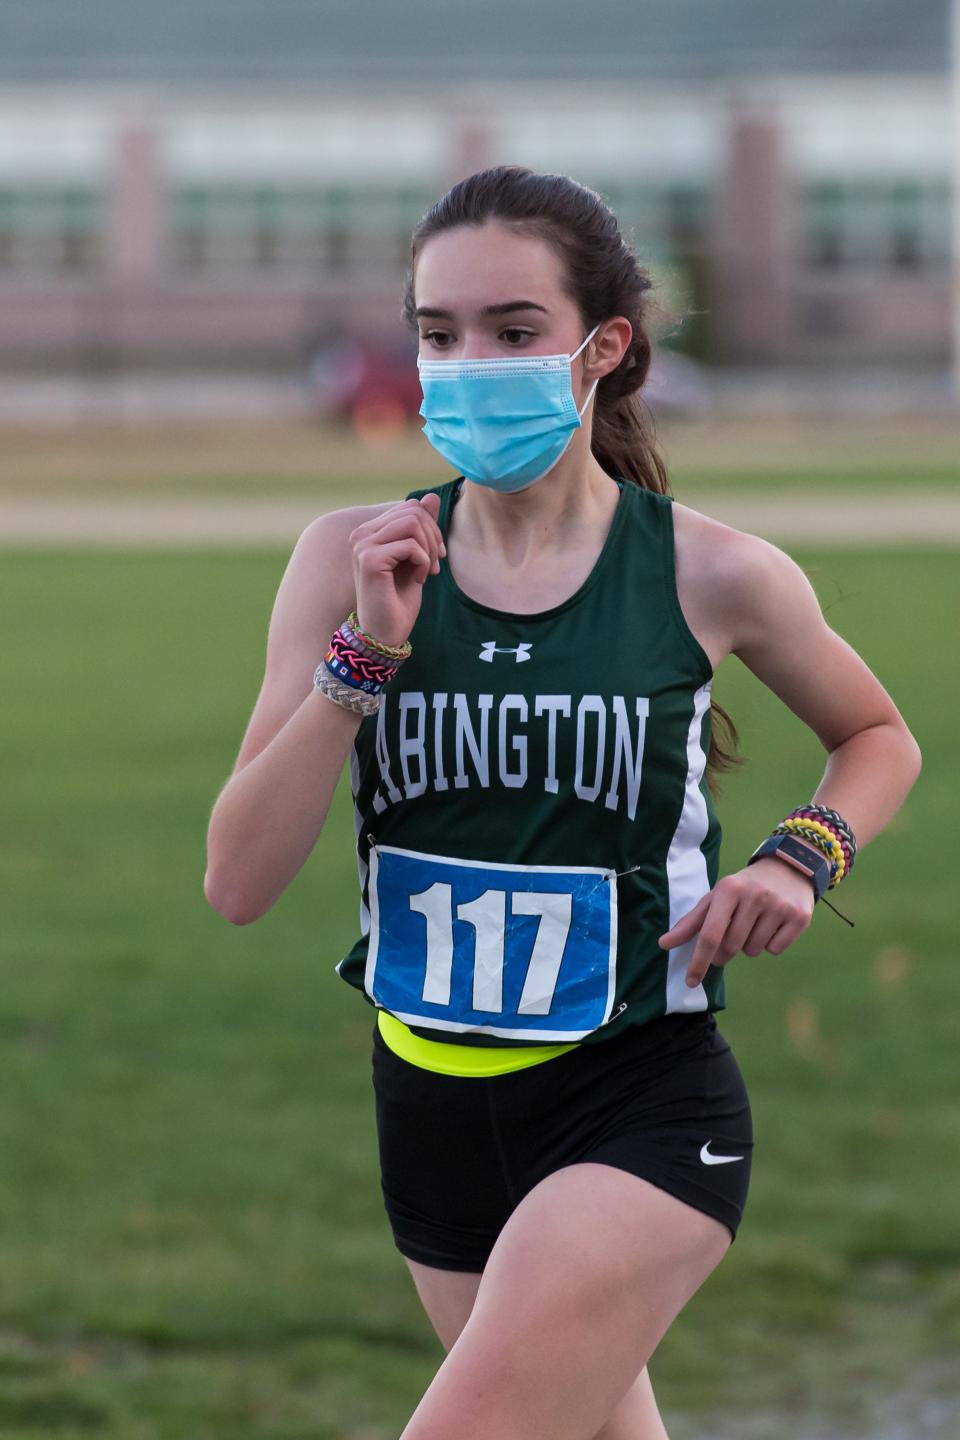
833	822
828	833
820	836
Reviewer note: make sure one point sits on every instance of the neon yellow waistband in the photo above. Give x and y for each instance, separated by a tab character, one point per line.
449	1059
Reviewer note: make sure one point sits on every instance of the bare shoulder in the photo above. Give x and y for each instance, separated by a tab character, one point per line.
335	525
727	578
716	549
316	590
315	594
755	601
321	556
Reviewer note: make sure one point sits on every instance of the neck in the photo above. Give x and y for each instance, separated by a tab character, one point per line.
553	513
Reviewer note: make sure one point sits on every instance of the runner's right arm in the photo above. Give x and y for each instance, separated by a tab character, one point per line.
269	814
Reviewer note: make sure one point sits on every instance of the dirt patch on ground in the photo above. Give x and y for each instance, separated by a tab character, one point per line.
866	520
261	482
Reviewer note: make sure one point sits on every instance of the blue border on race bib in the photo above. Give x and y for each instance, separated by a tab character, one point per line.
517	951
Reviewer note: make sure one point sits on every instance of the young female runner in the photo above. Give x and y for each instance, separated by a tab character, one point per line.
520	671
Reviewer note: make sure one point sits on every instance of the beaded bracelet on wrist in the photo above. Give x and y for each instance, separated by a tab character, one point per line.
824	840
840	832
831	818
836	824
829	833
357	666
392	652
816	842
358	643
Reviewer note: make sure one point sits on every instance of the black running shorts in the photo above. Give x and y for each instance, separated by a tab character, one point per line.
664	1100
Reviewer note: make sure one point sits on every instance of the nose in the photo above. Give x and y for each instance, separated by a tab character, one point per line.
476	347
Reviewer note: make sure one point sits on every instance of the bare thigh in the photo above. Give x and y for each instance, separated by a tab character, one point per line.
553	1338
447	1296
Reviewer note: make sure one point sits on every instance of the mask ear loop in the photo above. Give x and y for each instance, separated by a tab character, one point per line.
580	413
587	340
586	402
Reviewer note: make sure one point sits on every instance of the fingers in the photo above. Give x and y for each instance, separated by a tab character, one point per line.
370	547
687	926
393	554
738	914
712	941
748	911
408	518
778	921
388	556
786	933
430	502
765	927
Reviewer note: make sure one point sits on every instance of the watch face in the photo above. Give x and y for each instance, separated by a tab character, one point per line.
815	866
794	852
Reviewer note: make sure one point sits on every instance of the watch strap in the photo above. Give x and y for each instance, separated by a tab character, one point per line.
801	856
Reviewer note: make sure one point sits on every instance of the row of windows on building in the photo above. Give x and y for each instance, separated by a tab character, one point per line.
212	228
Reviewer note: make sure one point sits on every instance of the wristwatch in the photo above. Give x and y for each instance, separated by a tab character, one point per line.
802	857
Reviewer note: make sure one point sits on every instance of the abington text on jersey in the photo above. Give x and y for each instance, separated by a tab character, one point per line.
457	741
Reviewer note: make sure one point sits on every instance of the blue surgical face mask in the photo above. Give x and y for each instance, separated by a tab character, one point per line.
502	422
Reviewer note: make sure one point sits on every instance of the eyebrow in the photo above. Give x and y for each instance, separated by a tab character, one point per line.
506	308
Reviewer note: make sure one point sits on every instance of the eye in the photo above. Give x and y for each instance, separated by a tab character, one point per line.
516	337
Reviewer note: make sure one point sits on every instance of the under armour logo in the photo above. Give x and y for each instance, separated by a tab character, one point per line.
490	648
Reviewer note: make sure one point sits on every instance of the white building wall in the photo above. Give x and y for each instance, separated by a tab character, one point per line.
867	125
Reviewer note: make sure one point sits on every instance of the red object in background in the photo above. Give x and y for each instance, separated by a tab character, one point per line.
375	384
366	381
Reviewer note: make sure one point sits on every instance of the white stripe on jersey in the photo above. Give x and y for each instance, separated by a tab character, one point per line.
687	865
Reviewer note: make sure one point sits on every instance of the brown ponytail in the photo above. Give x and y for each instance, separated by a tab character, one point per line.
603	278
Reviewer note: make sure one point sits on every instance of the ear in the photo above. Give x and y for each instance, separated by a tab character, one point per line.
608	347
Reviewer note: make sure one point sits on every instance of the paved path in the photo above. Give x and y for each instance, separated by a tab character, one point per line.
913	518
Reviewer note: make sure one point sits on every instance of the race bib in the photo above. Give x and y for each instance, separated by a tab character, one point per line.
518	951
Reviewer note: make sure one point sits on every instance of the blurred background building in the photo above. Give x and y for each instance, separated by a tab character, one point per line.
235	183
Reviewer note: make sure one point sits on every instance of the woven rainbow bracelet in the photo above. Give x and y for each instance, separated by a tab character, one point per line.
356	667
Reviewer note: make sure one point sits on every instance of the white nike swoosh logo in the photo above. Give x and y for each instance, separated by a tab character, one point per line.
709	1159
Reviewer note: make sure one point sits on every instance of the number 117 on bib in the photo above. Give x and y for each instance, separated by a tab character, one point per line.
523	951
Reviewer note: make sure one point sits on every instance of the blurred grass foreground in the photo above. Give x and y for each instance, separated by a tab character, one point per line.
193	1242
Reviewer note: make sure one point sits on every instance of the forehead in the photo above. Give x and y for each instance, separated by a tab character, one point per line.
469	266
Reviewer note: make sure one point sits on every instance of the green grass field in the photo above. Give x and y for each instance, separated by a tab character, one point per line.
192	1239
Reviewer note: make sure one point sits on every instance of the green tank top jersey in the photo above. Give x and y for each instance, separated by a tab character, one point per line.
532	812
